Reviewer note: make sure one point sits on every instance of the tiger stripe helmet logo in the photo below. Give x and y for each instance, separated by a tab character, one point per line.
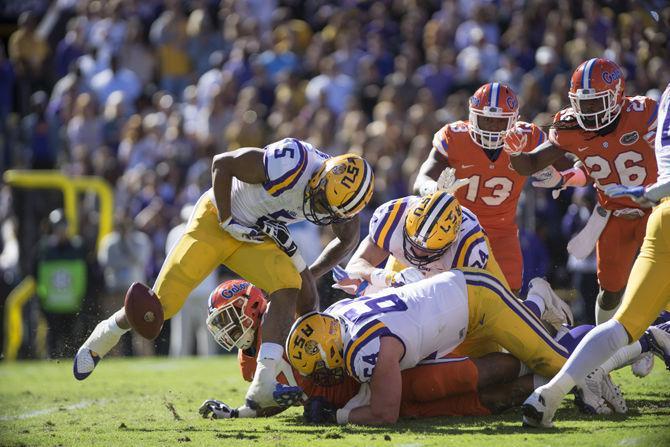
339	190
492	100
431	226
314	348
597	82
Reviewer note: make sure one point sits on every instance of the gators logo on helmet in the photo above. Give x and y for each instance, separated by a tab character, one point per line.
492	101
235	310
597	93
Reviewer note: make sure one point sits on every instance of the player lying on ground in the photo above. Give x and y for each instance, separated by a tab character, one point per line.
241	223
424	236
612	135
452	386
647	292
374	338
474	148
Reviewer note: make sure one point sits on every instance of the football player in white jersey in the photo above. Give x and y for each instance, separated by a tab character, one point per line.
241	223
374	338
425	236
647	292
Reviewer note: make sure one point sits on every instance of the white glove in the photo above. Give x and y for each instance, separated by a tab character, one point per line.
515	141
216	409
407	276
242	232
448	181
548	177
279	232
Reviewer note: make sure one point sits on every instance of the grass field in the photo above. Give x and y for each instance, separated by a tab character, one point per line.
127	402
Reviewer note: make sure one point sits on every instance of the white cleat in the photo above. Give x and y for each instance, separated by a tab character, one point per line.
539	409
658	338
600	384
556	311
96	346
643	364
84	363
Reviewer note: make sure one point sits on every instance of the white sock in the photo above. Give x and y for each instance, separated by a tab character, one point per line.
104	337
271	351
538	381
603	315
624	356
594	349
538	301
524	370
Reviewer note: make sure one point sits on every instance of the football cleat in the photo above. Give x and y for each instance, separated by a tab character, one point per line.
84	363
601	384
96	346
539	409
658	338
589	402
643	364
556	311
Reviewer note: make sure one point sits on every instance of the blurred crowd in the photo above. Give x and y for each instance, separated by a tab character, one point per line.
144	92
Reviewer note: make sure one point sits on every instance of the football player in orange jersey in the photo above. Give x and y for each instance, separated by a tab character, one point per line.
474	148
612	135
439	387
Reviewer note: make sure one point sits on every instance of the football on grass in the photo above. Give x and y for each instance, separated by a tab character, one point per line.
144	311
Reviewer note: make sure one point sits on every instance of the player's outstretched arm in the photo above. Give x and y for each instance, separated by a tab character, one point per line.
245	164
364	262
426	180
347	235
385	387
528	163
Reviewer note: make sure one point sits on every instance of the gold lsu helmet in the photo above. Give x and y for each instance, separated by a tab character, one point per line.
338	190
431	226
314	348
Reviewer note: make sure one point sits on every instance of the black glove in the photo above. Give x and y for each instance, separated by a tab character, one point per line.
278	232
318	410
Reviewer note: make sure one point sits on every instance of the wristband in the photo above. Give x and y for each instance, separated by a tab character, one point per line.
381	278
428	187
298	262
342	416
224	223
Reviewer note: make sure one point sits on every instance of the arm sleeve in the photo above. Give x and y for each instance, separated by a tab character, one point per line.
441	140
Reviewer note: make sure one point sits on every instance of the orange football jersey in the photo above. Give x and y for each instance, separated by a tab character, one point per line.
495	187
624	156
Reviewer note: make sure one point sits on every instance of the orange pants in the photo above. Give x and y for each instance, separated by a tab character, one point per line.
447	387
616	250
507	250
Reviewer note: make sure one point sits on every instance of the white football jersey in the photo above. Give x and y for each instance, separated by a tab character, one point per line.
662	147
289	165
429	317
468	250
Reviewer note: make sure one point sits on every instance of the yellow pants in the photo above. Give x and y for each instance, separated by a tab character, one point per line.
648	289
204	245
497	315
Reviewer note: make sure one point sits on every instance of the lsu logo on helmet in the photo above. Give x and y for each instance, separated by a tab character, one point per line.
597	93
497	101
431	227
339	190
314	348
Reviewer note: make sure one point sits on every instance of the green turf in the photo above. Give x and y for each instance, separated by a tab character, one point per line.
125	402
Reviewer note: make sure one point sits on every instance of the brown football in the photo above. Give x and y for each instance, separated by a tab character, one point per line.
144	311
